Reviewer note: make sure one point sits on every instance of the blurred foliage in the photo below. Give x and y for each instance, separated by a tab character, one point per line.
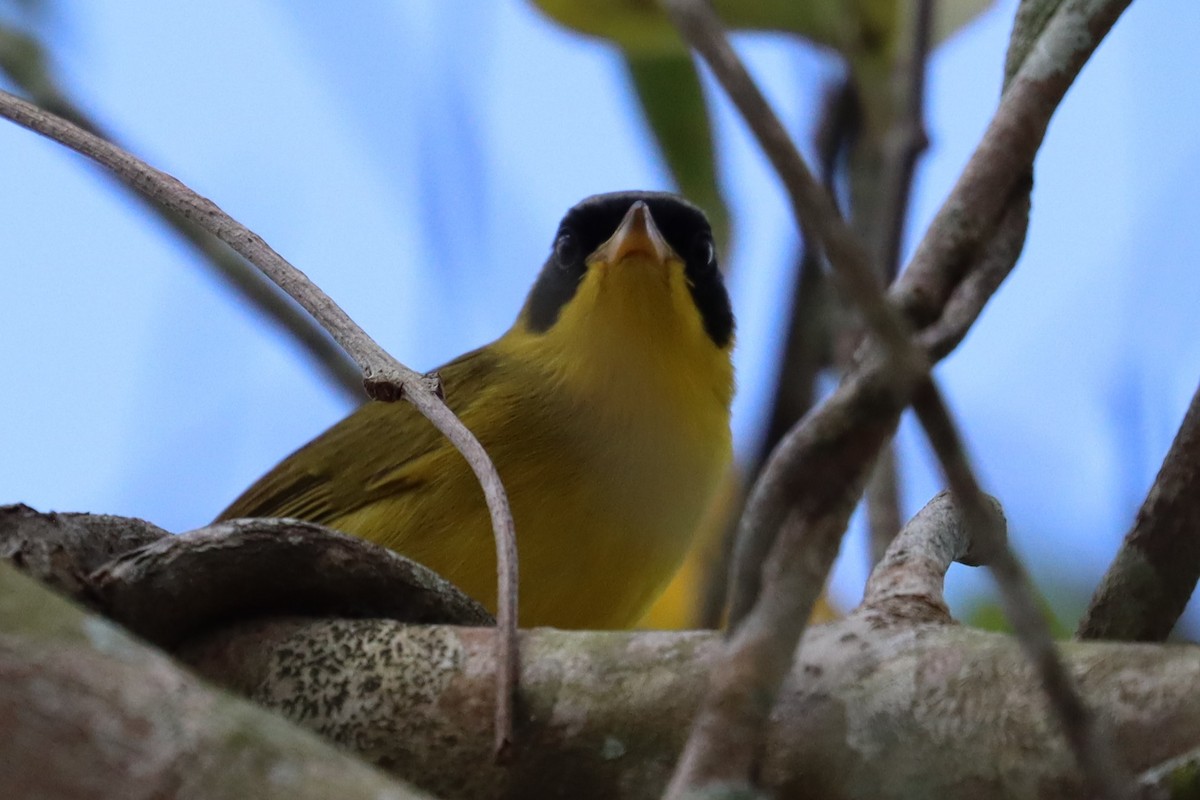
989	615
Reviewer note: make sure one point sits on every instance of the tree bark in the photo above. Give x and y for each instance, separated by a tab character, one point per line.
88	712
874	708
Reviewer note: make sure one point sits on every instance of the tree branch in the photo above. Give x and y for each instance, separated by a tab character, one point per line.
90	712
907	582
892	702
384	377
1154	574
1002	161
904	143
806	349
909	711
744	685
826	460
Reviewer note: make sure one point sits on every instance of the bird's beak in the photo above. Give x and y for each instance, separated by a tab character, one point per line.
637	234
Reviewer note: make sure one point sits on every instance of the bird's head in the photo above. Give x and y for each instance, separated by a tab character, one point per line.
632	286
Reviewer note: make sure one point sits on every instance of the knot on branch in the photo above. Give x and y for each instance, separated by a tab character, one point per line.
390	385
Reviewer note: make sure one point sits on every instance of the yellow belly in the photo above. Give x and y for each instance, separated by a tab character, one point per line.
605	504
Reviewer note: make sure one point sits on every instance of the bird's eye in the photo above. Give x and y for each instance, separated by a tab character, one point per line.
566	249
704	252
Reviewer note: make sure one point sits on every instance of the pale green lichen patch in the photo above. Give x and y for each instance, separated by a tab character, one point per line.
29	609
612	748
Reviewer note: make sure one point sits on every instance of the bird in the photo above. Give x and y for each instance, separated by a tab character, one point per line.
605	408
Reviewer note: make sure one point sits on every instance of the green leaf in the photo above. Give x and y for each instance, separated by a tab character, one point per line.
641	26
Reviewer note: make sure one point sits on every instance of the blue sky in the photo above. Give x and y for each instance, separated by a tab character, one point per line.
414	160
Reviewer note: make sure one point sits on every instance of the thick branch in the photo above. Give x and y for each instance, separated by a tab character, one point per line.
1154	574
167	588
603	714
867	711
384	377
87	711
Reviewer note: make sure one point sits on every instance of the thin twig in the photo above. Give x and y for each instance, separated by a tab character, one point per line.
384	377
1001	162
806	350
904	144
1154	574
1070	38
24	63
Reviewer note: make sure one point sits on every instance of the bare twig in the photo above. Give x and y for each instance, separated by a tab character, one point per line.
384	378
806	350
23	62
813	204
903	145
1154	574
906	143
1038	87
1001	162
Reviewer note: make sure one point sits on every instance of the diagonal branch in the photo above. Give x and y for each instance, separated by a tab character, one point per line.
745	683
384	378
1154	574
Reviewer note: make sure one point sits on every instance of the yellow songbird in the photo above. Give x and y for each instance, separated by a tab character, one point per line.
605	408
